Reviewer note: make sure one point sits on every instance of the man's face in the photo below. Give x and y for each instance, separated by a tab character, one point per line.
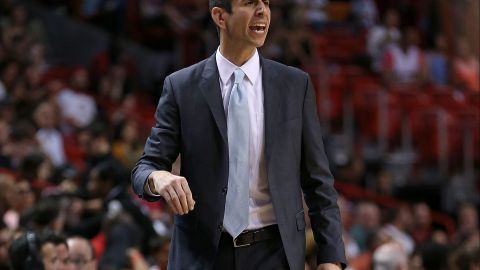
55	257
81	255
248	23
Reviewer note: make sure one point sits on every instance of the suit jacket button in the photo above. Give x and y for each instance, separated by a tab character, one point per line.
224	190
220	227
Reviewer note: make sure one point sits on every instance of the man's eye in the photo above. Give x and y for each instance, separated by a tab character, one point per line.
249	2
267	3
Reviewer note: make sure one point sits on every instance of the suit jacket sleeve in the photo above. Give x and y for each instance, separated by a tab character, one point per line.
163	144
317	185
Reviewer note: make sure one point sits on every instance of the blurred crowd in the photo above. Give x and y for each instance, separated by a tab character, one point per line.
69	136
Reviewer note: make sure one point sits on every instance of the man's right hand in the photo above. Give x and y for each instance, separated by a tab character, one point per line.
174	189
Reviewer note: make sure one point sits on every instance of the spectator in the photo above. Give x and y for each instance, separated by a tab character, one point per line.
49	138
6	236
81	253
422	223
159	249
46	251
298	47
6	185
10	72
399	221
5	143
367	221
351	247
25	253
37	169
20	197
381	37
404	64
46	215
437	62
78	109
390	256
466	71
22	142
434	257
315	15
127	147
19	23
467	222
466	259
365	13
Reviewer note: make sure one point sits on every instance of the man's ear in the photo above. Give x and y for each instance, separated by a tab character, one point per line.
218	16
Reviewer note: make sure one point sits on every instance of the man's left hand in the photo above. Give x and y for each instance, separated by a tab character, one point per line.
329	266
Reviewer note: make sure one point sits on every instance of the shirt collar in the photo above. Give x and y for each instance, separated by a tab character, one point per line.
251	68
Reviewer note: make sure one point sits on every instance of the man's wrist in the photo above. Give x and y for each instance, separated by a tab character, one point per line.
149	186
330	266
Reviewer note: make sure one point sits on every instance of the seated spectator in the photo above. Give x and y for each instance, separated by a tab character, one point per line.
46	251
49	138
5	143
381	37
76	109
367	221
365	13
19	198
467	223
46	215
404	64
437	62
10	72
315	12
465	259
37	169
6	236
81	253
365	260
422	223
466	72
19	22
297	45
390	256
127	147
159	249
351	247
399	221
435	257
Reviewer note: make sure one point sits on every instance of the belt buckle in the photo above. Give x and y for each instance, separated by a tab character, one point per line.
238	245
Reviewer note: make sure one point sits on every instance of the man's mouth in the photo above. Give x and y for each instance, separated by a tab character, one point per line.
258	27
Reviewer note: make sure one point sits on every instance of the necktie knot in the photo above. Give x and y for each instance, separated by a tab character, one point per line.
239	75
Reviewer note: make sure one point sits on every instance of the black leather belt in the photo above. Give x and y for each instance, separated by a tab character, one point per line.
248	238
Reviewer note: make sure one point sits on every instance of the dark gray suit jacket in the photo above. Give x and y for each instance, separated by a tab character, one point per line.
190	120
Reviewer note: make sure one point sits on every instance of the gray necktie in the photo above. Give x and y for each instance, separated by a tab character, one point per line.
238	123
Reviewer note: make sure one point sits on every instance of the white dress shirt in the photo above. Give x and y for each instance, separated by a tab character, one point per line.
260	206
261	212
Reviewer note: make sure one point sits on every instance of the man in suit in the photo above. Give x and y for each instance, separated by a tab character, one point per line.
250	144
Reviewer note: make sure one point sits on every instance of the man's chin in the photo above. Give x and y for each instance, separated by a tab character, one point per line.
259	44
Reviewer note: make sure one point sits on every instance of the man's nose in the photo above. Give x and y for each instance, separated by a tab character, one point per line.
260	8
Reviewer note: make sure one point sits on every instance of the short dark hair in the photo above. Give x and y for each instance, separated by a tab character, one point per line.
23	252
225	4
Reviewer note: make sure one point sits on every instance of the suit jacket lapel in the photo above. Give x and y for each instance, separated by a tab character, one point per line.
272	83
211	90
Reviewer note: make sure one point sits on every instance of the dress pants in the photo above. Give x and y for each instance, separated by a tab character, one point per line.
263	255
